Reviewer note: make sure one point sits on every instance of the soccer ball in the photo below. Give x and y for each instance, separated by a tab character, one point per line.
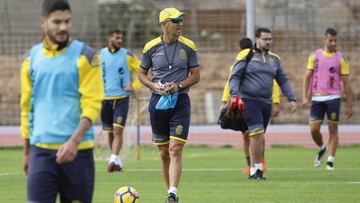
126	194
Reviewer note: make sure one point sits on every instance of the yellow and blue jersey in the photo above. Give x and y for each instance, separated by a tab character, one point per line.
170	62
226	92
263	68
116	68
58	88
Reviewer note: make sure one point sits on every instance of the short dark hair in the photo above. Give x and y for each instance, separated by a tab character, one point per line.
50	6
116	30
261	30
331	31
245	43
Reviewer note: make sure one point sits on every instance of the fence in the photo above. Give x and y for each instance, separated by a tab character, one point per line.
215	26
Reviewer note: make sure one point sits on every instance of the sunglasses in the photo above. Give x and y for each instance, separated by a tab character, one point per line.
176	20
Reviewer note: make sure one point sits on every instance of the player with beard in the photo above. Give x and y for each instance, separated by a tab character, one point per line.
326	68
245	44
254	95
117	64
61	93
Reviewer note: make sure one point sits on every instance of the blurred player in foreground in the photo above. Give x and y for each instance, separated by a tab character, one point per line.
61	93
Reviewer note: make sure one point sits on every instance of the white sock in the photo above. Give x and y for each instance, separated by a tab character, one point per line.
322	147
258	166
252	171
113	158
331	159
172	189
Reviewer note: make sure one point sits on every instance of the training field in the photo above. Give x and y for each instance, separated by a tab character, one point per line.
214	175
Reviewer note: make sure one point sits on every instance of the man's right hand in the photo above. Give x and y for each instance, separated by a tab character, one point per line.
293	106
275	110
26	149
26	163
128	88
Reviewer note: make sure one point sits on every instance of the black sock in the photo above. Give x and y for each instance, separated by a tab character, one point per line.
248	160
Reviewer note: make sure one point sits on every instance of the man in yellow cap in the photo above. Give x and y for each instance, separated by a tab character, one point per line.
169	13
175	68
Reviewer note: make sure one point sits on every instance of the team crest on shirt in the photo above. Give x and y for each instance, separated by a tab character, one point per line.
179	129
182	54
272	62
119	119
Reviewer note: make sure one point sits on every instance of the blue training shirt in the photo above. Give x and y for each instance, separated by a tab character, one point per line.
116	73
55	108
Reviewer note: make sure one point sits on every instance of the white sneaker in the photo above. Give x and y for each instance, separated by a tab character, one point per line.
317	162
330	166
119	162
319	157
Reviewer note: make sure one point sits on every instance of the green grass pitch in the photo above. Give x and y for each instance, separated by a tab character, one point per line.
214	175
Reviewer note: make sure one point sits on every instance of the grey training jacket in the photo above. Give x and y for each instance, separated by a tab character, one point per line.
257	82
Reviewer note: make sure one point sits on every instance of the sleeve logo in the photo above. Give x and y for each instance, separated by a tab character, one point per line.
95	62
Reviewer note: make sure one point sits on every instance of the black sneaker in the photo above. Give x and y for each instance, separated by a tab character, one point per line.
319	157
172	198
258	175
330	166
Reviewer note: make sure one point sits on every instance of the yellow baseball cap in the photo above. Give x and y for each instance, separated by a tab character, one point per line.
169	13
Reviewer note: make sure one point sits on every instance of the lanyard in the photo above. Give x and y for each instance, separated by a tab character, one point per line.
172	59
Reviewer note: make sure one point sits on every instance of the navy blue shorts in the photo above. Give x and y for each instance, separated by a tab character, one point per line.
114	113
172	123
257	115
331	108
73	181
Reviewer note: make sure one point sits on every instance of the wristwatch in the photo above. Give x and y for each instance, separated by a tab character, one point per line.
180	85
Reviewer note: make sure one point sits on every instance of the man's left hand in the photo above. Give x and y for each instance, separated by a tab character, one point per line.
349	111
171	87
67	152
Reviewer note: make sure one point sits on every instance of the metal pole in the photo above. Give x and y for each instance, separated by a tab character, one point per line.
138	129
250	19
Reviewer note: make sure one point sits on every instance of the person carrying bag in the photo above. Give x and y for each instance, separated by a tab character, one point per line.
231	115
